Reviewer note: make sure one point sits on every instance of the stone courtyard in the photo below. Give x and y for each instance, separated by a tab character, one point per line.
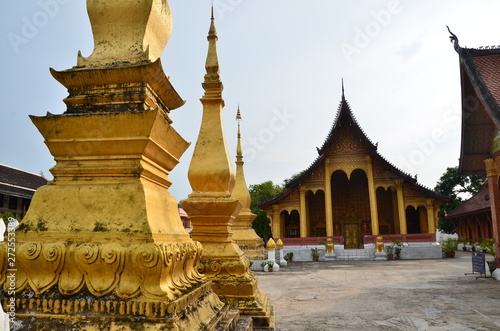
430	295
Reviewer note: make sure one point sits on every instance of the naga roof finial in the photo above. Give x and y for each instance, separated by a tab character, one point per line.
453	39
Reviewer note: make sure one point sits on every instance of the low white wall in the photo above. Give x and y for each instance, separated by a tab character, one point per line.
410	251
303	253
416	251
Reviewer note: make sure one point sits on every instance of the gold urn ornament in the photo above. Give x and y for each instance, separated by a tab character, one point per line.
128	31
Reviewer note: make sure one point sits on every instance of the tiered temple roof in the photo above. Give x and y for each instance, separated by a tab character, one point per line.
345	117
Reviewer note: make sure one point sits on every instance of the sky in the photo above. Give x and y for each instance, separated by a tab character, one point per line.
282	62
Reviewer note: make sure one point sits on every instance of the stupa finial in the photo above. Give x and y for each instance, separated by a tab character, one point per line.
239	149
212	63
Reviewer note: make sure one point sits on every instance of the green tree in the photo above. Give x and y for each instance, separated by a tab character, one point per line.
456	187
261	193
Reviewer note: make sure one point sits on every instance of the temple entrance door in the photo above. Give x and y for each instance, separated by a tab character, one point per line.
351	235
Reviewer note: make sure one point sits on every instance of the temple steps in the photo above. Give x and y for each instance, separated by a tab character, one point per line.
354	254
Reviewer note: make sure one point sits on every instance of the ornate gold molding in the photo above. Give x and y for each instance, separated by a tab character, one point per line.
146	271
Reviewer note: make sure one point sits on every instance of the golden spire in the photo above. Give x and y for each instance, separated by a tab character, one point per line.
238	115
239	150
212	63
240	191
210	169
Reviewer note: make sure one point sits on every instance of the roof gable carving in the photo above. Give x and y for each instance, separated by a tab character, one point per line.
346	141
346	136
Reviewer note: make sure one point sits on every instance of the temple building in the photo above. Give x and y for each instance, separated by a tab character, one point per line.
480	148
352	194
16	189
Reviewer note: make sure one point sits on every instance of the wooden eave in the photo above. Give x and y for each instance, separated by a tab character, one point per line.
480	108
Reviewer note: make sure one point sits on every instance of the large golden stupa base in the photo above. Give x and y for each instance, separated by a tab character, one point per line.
102	246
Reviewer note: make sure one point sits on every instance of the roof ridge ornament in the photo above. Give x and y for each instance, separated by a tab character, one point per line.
453	39
343	95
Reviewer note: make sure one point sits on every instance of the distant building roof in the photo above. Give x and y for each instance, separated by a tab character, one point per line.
182	213
19	182
480	202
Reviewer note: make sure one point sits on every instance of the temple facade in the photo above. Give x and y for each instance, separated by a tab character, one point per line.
353	194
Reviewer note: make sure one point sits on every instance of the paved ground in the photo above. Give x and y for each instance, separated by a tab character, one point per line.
432	295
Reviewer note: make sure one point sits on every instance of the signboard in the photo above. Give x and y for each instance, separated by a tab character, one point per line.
478	263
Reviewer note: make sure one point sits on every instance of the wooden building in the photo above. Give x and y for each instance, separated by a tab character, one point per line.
472	219
351	193
480	148
16	189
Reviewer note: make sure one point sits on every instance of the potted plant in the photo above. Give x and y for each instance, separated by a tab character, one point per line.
389	250
489	246
315	254
288	257
268	264
449	246
397	246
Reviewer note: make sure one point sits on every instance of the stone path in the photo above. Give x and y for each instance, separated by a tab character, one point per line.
430	295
